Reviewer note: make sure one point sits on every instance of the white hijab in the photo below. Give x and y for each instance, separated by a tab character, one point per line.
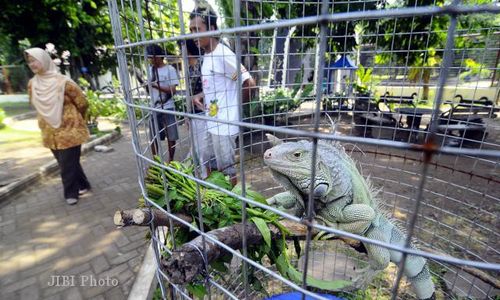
47	88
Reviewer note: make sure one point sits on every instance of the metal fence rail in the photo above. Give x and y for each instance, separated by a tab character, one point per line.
437	171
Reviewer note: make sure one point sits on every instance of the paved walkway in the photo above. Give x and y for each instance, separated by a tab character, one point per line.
42	237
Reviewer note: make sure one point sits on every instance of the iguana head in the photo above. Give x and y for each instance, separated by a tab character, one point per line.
291	162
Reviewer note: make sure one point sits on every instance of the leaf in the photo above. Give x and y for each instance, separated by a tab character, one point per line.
257	285
282	264
283	229
219	179
334	285
172	194
251	194
264	230
194	224
256	196
285	268
158	201
237	189
198	290
207	211
178	205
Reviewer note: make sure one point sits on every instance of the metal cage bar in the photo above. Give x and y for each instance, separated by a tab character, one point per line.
422	196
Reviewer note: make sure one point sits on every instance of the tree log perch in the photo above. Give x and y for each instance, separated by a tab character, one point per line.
187	261
142	217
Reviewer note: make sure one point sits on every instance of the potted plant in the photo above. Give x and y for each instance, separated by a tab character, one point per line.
274	104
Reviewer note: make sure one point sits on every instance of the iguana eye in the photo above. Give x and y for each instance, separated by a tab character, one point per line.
297	154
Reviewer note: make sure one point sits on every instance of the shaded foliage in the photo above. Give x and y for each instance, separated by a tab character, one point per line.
341	34
82	27
418	42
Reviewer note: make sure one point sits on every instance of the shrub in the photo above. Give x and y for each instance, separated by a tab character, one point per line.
19	79
104	107
365	81
474	69
100	106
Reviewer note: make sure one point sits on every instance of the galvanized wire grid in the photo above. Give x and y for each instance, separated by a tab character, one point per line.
442	186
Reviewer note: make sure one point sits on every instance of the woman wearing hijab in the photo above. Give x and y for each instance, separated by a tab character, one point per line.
61	108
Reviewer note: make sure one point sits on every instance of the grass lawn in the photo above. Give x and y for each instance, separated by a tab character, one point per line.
15	108
16	144
10	135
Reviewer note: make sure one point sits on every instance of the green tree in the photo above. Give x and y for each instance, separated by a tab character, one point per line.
341	37
161	20
410	41
82	27
418	42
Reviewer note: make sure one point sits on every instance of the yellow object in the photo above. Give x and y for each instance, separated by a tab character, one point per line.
213	108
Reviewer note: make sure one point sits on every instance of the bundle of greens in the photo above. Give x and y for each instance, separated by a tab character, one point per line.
219	210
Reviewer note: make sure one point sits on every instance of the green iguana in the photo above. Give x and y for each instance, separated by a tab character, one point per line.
343	200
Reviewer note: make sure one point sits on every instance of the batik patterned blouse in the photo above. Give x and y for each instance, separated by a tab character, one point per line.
73	130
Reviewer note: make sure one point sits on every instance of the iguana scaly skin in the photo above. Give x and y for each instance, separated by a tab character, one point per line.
343	200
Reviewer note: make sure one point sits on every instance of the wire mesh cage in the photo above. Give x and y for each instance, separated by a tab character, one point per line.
407	91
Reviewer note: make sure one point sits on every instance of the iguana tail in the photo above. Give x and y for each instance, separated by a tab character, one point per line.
415	269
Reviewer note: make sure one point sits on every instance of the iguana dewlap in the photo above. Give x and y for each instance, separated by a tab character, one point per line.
343	200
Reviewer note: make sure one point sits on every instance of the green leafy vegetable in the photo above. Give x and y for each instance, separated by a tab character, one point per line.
264	230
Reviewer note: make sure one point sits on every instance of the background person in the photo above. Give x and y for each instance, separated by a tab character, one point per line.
195	86
164	80
61	107
219	72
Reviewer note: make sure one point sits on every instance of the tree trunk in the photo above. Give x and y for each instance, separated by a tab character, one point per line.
494	77
426	78
425	91
270	75
286	56
7	84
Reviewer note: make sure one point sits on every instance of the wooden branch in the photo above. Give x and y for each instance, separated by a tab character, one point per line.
142	217
187	261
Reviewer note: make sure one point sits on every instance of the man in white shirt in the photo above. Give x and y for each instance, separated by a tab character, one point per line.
220	85
163	82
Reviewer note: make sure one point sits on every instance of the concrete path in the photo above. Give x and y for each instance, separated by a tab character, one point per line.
42	239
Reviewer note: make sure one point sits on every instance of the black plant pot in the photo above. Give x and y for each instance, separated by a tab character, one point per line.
92	127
